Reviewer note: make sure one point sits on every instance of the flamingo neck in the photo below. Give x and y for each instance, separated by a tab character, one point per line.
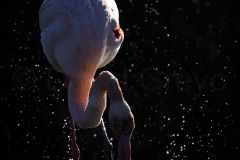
114	91
108	83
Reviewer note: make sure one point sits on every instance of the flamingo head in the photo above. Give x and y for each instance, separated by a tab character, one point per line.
122	125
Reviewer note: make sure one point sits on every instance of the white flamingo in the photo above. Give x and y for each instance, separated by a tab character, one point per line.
78	37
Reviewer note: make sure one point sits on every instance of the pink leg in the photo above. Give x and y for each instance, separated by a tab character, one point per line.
74	147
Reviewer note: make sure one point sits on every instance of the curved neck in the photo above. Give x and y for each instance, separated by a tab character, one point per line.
89	116
106	82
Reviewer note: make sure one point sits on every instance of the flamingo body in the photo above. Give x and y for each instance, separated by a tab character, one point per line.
78	38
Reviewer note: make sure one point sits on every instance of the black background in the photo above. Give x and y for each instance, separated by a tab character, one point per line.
178	67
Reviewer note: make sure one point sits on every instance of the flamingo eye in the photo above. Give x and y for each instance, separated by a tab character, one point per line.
117	32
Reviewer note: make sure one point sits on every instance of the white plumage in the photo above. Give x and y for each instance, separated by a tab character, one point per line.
78	38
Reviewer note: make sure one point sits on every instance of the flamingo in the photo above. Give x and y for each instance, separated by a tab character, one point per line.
78	37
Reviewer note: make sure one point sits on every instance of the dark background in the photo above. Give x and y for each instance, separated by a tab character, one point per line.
178	67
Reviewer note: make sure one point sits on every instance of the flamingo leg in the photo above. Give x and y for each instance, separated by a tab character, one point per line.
107	145
74	147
